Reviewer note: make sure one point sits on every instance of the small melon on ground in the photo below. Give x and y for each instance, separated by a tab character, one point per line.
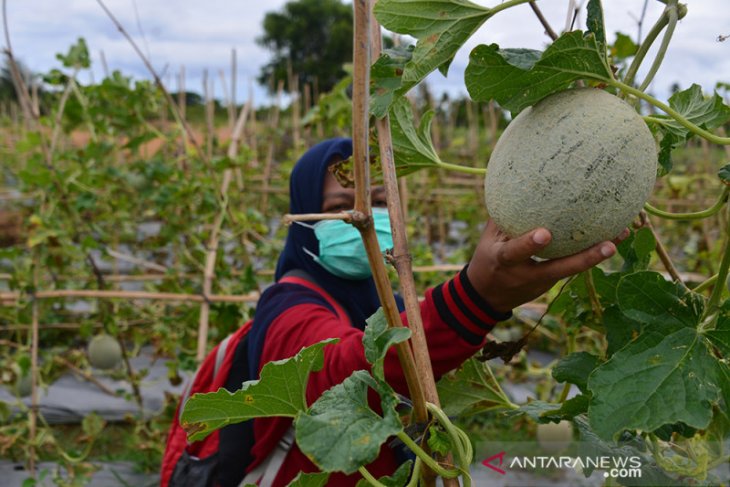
104	352
580	163
555	437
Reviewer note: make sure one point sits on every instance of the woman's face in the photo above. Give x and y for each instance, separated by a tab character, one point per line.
335	198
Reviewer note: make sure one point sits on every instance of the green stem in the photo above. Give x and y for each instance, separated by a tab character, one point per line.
704	285
506	5
416	474
461	442
721	277
464	169
564	393
717	462
451	431
697	215
672	23
369	477
430	462
668	110
641	53
593	297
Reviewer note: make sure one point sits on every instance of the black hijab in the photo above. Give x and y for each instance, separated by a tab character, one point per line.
359	298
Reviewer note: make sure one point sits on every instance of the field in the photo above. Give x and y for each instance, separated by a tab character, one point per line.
126	212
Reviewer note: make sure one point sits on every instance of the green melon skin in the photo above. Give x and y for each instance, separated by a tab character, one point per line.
555	437
24	385
580	163
104	352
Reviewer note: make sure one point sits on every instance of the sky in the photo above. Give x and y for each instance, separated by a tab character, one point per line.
201	35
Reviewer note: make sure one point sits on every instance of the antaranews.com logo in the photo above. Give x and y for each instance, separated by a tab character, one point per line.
612	466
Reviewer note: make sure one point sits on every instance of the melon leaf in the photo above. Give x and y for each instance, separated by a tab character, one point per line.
340	432
472	389
679	381
386	78
441	27
317	479
595	22
493	73
707	112
724	173
670	372
378	338
279	392
412	146
575	369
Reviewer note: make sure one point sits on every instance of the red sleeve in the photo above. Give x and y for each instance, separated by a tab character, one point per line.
455	319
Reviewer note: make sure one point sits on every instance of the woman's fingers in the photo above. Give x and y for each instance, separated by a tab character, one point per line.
556	269
522	248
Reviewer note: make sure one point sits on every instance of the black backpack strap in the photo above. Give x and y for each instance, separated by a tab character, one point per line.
235	441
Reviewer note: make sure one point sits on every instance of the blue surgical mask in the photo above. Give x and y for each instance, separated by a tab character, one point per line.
341	250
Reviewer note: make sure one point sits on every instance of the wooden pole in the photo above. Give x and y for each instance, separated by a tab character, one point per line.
34	382
362	214
273	124
13	296
233	101
401	256
210	258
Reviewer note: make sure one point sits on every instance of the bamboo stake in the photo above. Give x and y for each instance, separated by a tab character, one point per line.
208	105
84	375
227	100
234	79
402	261
307	106
287	219
183	107
362	217
135	260
104	65
252	139
90	293
273	125
210	258
295	102
34	403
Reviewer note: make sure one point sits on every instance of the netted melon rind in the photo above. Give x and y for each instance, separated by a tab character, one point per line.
581	163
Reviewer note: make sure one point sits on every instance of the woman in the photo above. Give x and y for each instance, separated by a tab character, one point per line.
457	314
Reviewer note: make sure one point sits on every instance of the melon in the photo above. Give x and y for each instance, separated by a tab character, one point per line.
555	437
104	352
24	385
580	163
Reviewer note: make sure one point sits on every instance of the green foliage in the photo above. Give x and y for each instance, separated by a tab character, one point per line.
637	250
412	146
595	22
378	338
707	112
623	47
441	28
518	78
472	389
575	369
310	480
279	392
340	432
681	378
398	479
